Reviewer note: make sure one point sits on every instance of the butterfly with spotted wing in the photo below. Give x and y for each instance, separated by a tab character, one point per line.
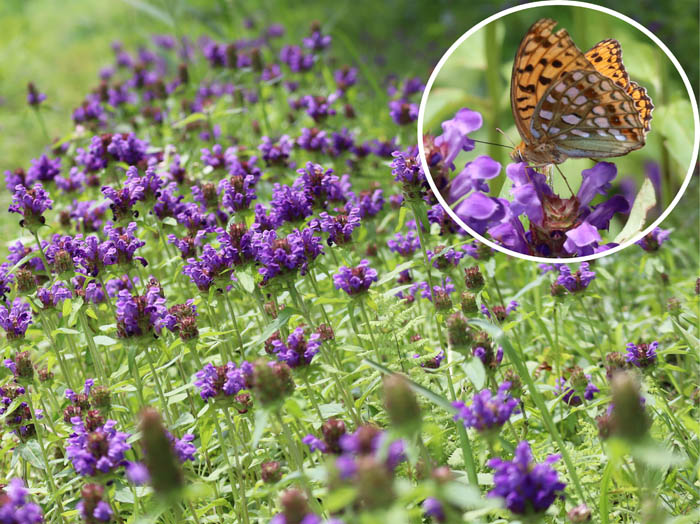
568	104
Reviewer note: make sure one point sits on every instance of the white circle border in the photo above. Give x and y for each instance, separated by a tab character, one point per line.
557	3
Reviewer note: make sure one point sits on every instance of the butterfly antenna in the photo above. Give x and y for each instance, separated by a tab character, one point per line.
507	137
565	180
490	143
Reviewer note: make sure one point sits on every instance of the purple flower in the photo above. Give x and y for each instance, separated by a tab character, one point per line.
403	112
296	59
432	507
31	204
654	240
582	240
487	412
318	107
313	139
500	312
127	149
34	98
184	449
473	176
94	158
237	192
314	443
578	383
98	451
290	204
488	358
454	133
642	355
137	473
120	246
480	212
91	506
276	153
144	188
297	351
222	381
370	202
339	227
52	297
286	255
320	186
43	169
443	258
140	315
404	245
345	77
317	41
526	487
355	280
575	282
14	506
16	319
408	171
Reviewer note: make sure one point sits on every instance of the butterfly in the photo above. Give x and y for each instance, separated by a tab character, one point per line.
567	104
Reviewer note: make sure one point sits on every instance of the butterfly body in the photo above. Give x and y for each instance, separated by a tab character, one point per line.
568	104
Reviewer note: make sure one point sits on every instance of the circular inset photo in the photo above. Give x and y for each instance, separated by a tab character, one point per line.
559	131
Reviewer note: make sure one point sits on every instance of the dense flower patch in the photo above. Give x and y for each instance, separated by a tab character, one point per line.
233	298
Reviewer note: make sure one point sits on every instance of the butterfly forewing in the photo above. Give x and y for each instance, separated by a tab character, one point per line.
567	104
586	114
543	56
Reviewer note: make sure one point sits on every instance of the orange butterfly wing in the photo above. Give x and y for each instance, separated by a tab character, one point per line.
606	57
543	56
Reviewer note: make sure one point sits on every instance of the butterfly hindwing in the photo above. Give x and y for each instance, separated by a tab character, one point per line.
543	56
587	114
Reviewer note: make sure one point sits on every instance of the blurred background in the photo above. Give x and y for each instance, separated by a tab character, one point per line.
61	46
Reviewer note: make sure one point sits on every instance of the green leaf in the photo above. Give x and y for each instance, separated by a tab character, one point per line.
643	203
475	371
66	307
104	340
339	499
275	325
31	452
194	117
261	418
245	279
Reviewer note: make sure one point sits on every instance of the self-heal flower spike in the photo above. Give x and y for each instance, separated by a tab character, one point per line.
140	315
98	451
15	319
297	351
487	411
34	97
575	282
355	280
15	508
642	355
216	382
526	486
31	204
654	240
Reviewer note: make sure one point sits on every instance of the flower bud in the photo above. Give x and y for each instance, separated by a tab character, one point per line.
294	506
332	429
270	472
630	418
674	306
26	281
401	404
325	331
272	381
459	333
578	514
468	304
516	384
183	74
101	398
442	299
558	291
473	278
374	483
614	362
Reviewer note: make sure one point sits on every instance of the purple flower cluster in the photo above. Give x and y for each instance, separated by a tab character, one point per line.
141	314
15	507
222	381
297	351
642	355
527	487
98	451
355	280
487	412
15	319
577	281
